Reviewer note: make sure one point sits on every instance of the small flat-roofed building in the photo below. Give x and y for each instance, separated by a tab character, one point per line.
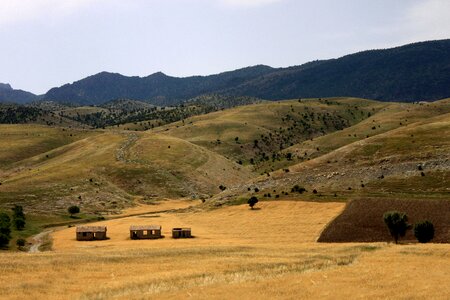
91	233
180	233
138	232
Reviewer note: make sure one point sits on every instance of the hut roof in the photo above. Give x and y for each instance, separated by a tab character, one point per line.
91	228
181	229
145	227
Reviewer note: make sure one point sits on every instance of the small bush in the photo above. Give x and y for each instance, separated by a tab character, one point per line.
424	231
252	201
20	243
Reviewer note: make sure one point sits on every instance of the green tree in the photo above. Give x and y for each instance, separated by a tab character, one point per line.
20	243
5	229
424	231
73	210
252	201
18	211
19	223
397	223
18	217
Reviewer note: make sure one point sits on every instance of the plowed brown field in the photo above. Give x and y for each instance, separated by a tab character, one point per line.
362	220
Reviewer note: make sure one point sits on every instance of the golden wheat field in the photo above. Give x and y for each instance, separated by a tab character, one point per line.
237	253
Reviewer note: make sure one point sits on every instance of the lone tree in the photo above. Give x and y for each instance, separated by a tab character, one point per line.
424	231
5	229
73	210
252	201
397	223
20	243
18	217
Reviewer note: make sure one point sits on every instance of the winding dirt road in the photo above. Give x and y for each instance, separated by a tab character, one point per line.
38	240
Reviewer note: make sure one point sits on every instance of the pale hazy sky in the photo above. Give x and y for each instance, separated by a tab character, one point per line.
46	43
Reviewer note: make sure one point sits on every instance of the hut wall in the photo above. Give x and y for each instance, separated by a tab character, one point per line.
100	236
85	236
145	234
181	233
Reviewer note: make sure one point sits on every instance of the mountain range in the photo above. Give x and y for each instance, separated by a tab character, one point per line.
414	72
8	94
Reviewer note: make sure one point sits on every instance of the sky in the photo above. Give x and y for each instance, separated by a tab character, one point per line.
47	43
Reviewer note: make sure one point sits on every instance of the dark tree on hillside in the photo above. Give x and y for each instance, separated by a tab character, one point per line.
20	243
424	231
18	217
5	229
73	210
397	223
252	201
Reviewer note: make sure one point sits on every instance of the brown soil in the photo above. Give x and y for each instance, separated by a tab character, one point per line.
362	220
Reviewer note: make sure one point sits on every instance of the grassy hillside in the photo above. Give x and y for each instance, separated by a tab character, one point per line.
255	134
19	114
382	156
18	142
343	148
108	170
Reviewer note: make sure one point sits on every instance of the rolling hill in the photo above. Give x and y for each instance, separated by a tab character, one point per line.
344	148
401	152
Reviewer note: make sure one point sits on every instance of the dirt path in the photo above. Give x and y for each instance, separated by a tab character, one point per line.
122	151
38	240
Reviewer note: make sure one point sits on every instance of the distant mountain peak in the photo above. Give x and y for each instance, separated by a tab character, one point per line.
5	86
10	95
158	75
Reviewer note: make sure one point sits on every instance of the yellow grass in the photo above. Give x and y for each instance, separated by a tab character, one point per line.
237	253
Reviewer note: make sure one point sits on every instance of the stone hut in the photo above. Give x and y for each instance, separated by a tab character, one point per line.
91	233
179	233
145	232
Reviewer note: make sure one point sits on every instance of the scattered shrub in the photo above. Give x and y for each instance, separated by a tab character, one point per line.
298	189
424	231
20	243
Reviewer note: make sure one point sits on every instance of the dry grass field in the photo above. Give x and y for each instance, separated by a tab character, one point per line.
236	253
